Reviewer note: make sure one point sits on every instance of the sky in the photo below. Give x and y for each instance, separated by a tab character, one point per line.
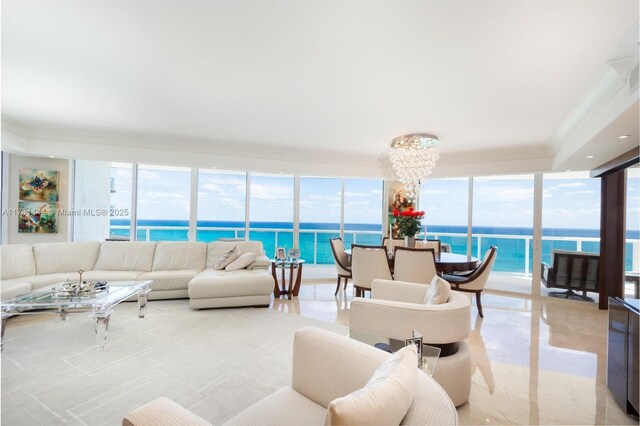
569	200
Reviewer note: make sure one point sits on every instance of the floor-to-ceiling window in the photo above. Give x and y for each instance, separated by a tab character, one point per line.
446	206
632	246
221	204
503	216
363	206
120	189
271	211
570	213
163	203
319	213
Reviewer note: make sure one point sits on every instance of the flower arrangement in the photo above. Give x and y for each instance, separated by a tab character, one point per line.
408	221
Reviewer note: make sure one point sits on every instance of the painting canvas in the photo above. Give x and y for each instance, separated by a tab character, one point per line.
397	200
39	185
37	217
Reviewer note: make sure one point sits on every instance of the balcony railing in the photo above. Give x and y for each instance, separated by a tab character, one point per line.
315	248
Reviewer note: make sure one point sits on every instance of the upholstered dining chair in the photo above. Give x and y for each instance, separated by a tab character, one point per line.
430	244
342	261
414	265
391	243
476	280
367	264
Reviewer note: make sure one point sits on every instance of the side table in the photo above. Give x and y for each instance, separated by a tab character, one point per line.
280	289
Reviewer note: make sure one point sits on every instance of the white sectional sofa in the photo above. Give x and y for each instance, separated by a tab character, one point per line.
177	269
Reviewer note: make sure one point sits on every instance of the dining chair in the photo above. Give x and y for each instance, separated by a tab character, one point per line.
342	261
367	264
475	281
414	265
430	244
390	243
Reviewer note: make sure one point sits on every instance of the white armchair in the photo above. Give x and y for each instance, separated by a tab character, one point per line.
397	307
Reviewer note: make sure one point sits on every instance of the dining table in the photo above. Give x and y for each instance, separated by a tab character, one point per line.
447	263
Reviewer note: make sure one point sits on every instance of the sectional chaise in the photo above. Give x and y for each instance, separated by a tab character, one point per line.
177	269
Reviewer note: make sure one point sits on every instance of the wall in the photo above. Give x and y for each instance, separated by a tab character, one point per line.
92	197
16	163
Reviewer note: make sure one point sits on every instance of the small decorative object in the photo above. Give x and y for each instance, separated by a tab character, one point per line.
38	185
37	218
416	339
280	254
408	223
80	288
294	254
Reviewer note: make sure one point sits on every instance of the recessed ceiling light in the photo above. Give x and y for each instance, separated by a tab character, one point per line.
568	171
590	156
51	156
623	136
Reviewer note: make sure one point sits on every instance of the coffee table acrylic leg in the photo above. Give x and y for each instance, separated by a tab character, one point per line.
5	317
101	326
142	301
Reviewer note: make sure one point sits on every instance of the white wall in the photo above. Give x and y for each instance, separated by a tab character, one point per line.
92	197
17	162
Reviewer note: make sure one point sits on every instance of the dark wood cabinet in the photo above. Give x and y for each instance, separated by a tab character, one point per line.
622	358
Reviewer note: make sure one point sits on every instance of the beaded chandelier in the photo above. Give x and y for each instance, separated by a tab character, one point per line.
413	157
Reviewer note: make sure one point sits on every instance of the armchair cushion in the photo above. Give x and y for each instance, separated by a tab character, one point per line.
385	399
438	292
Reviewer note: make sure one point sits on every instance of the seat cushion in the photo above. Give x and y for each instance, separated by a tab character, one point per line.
52	258
125	256
13	287
39	281
210	283
99	275
169	280
284	407
174	256
385	399
16	260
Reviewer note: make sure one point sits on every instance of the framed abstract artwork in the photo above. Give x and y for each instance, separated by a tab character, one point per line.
37	218
39	185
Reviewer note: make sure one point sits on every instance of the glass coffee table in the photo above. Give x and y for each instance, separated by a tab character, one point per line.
430	354
100	304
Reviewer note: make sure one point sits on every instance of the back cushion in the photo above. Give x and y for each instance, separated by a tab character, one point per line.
172	256
16	260
217	248
52	258
125	256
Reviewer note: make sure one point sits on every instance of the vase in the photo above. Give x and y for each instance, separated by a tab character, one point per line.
409	241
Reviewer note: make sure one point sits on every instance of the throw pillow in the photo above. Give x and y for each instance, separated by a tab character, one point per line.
385	399
438	292
226	258
242	262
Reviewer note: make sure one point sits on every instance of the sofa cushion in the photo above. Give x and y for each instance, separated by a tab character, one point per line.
385	399
125	256
438	292
283	407
169	280
226	258
13	287
217	248
261	262
52	258
173	256
16	260
212	284
39	281
162	411
241	262
102	275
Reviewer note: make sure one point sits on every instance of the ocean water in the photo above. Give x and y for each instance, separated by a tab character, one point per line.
511	251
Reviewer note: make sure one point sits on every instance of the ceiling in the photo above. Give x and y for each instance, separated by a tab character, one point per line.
286	83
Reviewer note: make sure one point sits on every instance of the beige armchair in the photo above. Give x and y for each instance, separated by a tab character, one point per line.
431	244
396	308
